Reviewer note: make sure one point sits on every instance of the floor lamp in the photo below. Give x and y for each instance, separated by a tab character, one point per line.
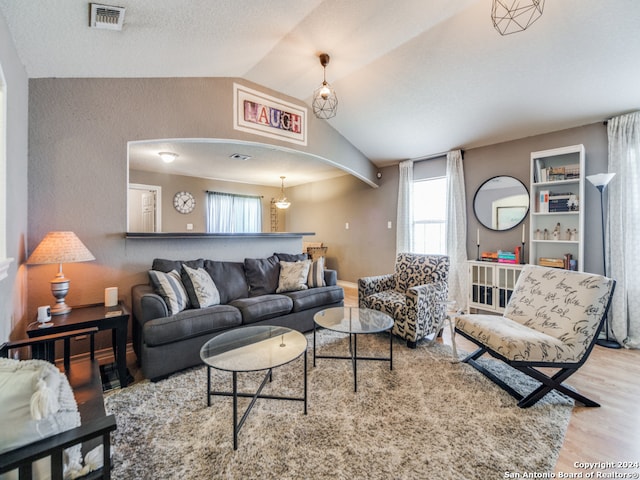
600	181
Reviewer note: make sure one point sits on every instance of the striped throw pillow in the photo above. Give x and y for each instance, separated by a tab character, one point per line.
169	286
316	273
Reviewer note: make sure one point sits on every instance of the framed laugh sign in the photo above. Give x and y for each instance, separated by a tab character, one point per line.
261	114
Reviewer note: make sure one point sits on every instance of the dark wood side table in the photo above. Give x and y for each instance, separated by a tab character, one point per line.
115	319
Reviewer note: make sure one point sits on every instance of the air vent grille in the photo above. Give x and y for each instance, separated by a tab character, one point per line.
106	16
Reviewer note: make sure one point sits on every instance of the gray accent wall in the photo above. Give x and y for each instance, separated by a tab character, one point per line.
78	131
13	289
368	247
78	134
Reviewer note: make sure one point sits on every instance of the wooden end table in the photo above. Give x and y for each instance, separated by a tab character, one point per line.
115	319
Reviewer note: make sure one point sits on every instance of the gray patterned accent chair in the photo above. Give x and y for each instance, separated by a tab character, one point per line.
553	319
415	295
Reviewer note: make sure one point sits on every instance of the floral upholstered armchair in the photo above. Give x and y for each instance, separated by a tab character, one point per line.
552	320
415	295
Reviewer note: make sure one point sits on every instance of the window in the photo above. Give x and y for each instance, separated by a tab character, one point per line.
429	215
229	213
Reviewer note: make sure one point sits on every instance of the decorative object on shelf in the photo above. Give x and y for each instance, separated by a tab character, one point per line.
545	235
600	181
538	234
60	247
511	16
282	201
325	101
184	202
556	232
168	157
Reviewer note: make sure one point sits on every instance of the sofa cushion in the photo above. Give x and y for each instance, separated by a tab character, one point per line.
293	276
254	309
164	265
190	323
262	275
291	257
169	286
316	273
200	287
229	279
315	297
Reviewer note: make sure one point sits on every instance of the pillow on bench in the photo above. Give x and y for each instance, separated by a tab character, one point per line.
36	401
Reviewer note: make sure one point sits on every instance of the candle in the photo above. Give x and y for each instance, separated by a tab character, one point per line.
478	239
523	232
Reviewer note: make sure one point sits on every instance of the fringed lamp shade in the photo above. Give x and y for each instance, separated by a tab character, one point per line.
60	247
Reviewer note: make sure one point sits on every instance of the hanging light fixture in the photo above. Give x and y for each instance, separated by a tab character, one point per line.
282	202
511	16
325	101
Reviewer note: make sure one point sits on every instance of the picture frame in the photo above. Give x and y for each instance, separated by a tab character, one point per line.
510	216
262	114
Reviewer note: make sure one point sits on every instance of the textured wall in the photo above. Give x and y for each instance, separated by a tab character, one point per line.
368	247
78	134
13	289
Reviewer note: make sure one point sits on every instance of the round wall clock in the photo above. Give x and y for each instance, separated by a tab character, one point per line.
184	202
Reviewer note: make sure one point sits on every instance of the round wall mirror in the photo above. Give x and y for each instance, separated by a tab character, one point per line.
501	203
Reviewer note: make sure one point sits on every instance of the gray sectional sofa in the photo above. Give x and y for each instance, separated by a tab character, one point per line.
166	342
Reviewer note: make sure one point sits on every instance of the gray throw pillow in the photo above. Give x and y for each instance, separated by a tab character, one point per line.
262	275
200	287
169	286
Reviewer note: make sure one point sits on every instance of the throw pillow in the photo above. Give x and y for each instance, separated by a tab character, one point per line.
200	287
293	276
291	257
262	275
316	273
36	401
169	286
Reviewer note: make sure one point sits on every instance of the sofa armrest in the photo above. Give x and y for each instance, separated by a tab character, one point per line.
330	277
374	284
146	304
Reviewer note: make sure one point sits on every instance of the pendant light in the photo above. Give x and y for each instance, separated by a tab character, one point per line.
282	202
511	16
325	101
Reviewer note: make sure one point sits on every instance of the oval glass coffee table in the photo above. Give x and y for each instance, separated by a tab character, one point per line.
354	321
250	349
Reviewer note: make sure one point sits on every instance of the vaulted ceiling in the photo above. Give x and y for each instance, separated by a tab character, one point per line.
413	77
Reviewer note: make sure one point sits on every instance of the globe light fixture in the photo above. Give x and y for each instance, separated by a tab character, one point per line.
325	101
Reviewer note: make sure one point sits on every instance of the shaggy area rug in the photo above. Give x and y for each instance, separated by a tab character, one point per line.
427	418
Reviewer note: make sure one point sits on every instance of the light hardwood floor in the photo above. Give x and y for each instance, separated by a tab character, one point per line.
610	433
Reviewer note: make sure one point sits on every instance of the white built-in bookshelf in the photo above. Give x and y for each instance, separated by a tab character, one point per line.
557	197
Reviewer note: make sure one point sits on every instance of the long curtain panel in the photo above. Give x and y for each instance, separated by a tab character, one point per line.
229	213
456	225
623	233
404	221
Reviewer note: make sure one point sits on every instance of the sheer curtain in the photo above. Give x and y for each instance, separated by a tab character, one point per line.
404	221
229	213
456	225
623	234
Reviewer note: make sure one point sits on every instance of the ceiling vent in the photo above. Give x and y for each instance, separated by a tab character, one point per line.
106	16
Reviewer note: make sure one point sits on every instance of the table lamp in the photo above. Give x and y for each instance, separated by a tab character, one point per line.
60	247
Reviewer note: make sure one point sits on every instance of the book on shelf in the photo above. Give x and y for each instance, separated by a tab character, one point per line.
572	171
539	166
543	201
